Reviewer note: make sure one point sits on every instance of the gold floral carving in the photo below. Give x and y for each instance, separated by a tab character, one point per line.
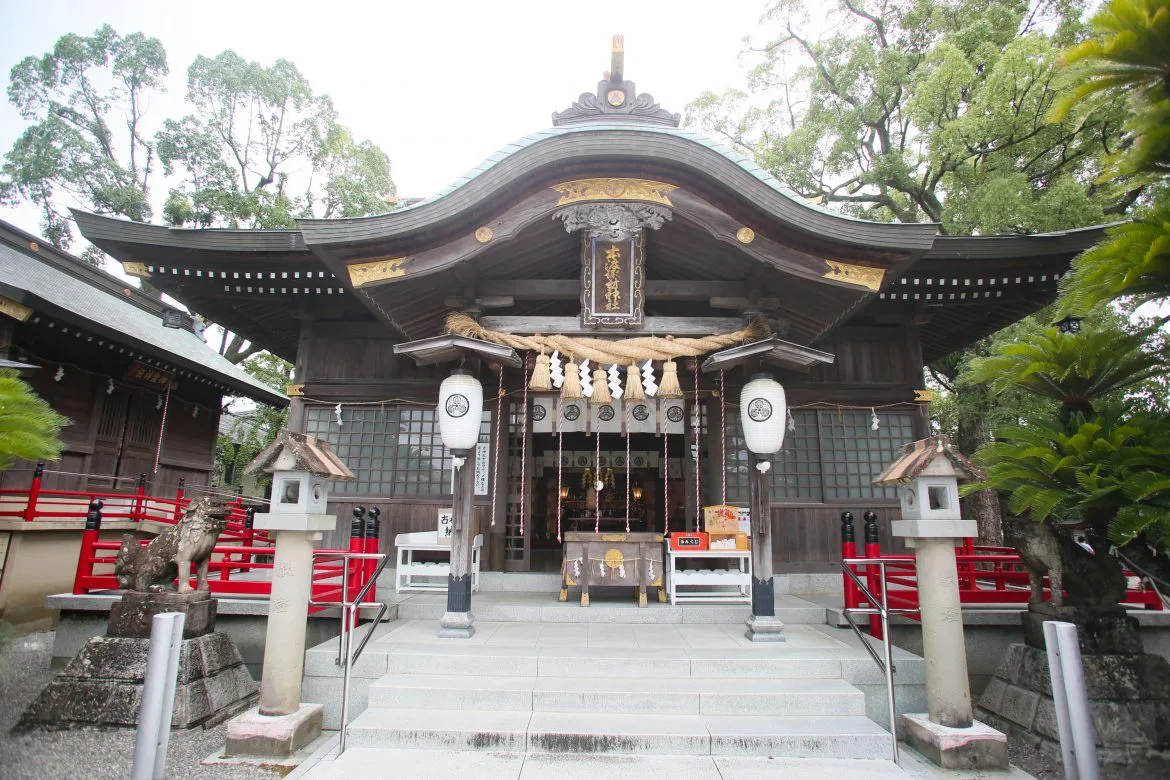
294	390
484	234
614	189
136	269
745	235
376	270
861	275
613	537
925	396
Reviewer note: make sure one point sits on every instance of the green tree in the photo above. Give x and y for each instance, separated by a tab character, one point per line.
1128	58
29	428
927	110
253	429
86	100
255	130
923	110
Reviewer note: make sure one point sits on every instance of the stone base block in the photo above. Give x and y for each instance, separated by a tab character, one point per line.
1116	634
1129	701
456	625
134	614
103	684
764	628
273	736
976	747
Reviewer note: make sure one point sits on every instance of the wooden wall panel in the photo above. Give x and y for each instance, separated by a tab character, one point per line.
808	538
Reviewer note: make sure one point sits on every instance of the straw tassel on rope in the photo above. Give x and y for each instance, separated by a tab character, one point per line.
600	389
571	389
669	387
541	381
633	390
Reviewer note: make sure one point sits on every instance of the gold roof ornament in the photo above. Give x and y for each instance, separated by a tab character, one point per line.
860	275
376	270
614	189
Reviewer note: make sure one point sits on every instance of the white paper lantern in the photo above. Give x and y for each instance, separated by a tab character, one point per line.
460	411
762	413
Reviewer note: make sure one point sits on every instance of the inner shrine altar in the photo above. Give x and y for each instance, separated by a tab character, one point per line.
629	559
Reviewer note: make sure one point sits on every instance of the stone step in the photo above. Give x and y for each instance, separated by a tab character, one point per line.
843	736
545	608
485	765
652	695
779	663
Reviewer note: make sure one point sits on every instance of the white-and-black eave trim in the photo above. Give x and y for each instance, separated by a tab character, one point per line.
259	278
960	288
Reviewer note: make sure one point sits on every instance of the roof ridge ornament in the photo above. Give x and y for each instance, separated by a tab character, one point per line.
616	98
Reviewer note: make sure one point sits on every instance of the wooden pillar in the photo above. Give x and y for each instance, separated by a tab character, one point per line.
456	623
762	625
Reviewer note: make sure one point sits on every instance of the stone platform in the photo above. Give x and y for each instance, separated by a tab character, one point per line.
103	684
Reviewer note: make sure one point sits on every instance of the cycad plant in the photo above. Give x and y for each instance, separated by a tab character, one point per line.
1098	467
29	428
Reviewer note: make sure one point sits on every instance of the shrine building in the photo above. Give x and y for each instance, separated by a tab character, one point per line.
612	282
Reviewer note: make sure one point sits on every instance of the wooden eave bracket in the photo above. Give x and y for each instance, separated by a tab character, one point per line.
448	349
782	353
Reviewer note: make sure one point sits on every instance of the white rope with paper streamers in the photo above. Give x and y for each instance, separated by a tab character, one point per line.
556	370
586	377
604	351
649	386
337	414
615	382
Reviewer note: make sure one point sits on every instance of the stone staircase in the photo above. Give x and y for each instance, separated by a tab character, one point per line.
605	688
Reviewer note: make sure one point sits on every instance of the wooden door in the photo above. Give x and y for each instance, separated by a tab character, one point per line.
518	517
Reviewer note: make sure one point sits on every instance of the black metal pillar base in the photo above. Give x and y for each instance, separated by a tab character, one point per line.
764	597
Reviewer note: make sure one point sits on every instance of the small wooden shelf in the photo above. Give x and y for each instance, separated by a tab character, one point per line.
722	585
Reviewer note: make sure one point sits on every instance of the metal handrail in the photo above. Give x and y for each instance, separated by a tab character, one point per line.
349	610
880	608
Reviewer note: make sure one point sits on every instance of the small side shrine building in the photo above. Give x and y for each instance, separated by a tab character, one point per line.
646	253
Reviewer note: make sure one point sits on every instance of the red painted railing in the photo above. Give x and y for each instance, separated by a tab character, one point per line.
988	576
241	550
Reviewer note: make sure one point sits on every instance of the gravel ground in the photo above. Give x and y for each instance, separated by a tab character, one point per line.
89	754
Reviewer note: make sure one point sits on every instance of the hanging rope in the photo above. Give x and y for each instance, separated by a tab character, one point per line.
524	452
162	427
560	474
627	473
606	352
665	482
597	478
499	431
696	428
723	431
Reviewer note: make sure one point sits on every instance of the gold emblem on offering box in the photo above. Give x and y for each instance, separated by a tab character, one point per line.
376	270
614	189
484	234
745	235
860	275
614	558
616	97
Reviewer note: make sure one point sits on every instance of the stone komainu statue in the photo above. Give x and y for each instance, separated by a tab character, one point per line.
154	566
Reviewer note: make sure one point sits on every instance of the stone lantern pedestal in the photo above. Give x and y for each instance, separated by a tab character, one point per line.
926	477
301	468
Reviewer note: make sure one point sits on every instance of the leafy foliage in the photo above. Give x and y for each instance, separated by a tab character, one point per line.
1128	58
29	428
254	429
254	128
87	140
914	110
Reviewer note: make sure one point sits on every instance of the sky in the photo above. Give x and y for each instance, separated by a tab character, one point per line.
439	85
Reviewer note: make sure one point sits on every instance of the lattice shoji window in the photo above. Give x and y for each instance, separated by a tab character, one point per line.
795	469
852	453
513	540
393	451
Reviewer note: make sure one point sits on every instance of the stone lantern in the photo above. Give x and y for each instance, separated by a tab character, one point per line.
926	477
301	469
